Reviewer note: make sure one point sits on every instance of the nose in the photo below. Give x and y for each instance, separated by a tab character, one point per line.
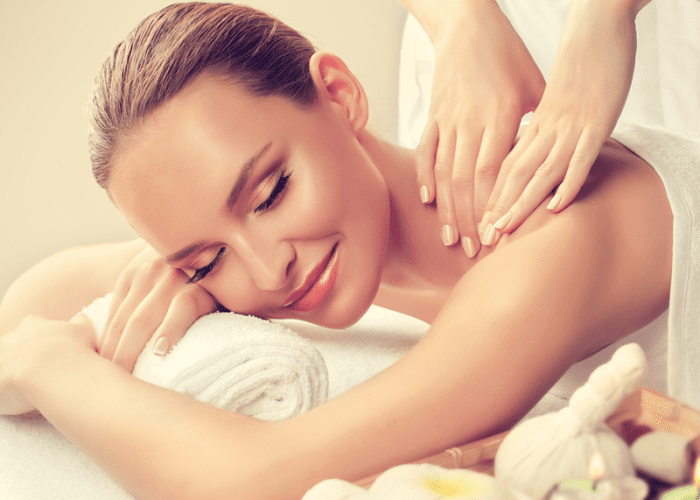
268	262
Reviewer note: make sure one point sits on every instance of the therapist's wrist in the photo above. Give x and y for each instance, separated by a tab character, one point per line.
440	19
615	9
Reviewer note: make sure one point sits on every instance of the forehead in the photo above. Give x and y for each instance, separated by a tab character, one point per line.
187	153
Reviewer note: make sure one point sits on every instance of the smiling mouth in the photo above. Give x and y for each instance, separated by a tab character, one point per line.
317	285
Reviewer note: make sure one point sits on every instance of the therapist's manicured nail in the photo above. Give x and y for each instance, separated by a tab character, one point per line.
161	347
554	203
503	221
469	246
424	194
489	235
481	227
449	237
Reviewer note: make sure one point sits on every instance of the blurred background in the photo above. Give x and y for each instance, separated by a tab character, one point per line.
50	53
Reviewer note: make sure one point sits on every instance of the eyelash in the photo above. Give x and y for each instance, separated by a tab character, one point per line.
201	273
278	189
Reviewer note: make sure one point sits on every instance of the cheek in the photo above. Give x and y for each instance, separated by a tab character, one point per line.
234	289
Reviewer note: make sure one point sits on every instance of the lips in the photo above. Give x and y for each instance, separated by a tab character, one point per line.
317	285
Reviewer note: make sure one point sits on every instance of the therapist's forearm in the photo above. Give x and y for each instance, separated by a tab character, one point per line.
436	16
157	443
615	7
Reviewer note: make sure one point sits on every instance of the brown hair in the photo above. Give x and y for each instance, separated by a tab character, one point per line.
174	45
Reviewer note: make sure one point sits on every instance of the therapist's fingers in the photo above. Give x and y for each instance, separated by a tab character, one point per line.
506	165
444	198
467	151
495	146
585	154
516	172
425	157
546	177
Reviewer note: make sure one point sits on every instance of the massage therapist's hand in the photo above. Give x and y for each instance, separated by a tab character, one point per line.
151	299
582	102
485	81
22	350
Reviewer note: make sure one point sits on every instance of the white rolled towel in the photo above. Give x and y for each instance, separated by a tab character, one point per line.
238	363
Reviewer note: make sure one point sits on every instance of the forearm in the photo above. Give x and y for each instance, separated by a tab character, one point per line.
611	9
439	17
628	7
61	285
157	443
162	445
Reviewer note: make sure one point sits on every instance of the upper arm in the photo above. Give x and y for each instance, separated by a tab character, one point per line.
61	285
511	327
499	343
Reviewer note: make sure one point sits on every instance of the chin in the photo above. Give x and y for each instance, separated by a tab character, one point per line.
343	312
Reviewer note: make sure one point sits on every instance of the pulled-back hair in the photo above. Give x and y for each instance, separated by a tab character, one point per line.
171	47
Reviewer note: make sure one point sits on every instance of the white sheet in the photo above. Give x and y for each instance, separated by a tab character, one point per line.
38	463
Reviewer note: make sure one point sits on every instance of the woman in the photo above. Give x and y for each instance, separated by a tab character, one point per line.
241	157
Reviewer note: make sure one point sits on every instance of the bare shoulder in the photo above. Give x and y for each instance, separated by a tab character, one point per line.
589	275
62	284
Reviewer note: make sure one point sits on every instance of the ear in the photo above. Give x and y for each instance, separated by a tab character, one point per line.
334	80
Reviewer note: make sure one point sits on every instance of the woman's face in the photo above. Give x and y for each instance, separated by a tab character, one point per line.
274	210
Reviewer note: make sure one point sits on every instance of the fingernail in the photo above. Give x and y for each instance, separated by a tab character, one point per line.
554	203
496	238
424	194
503	221
469	246
448	235
489	235
481	227
161	346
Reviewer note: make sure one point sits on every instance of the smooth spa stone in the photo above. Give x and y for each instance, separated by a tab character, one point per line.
662	455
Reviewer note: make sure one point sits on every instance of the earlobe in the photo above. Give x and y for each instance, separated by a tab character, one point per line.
333	78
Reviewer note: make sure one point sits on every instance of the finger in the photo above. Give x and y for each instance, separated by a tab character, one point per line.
547	176
495	147
518	176
142	283
115	328
463	194
121	291
185	309
444	161
506	166
144	321
585	154
425	157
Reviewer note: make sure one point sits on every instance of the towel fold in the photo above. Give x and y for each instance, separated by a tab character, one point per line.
677	161
239	363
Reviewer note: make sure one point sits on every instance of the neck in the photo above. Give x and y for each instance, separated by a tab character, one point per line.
417	263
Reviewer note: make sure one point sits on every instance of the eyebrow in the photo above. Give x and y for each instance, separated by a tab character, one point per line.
243	178
230	202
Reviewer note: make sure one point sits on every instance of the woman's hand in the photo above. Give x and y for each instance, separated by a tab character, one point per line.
34	337
151	299
485	81
582	102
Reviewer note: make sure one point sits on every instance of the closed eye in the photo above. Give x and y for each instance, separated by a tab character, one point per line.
201	273
276	191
